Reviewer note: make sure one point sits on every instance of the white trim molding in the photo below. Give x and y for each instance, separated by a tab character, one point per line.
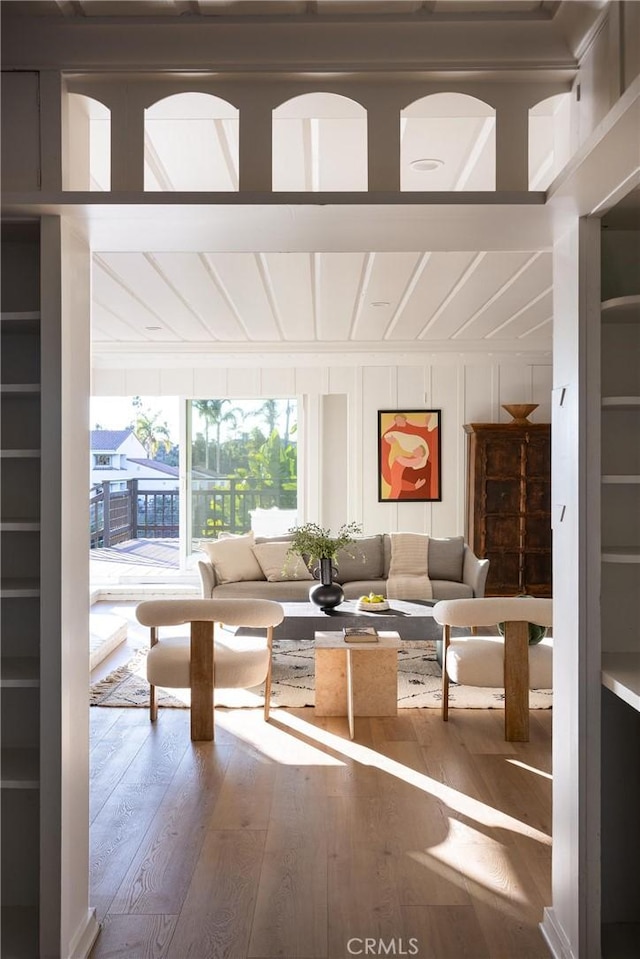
85	936
554	936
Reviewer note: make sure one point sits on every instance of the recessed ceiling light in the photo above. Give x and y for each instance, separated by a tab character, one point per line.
153	327
381	303
426	164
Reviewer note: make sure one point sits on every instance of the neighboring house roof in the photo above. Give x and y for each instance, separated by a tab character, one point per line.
156	465
108	440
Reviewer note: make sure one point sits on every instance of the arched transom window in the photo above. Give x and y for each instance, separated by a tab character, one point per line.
448	143
320	143
191	143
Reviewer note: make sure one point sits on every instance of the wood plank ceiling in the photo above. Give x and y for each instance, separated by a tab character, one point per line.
369	297
502	298
360	299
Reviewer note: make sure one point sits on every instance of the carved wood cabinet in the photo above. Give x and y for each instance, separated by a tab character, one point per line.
509	505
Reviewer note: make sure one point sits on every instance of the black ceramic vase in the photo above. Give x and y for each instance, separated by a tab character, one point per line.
326	594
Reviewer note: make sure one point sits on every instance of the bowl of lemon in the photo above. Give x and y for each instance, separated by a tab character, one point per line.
373	603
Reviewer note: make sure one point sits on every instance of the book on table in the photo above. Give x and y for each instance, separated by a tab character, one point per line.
360	634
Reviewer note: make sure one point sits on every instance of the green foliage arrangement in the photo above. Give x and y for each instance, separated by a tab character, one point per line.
314	542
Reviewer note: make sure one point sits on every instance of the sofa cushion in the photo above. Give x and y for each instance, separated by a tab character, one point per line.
289	591
362	587
447	589
363	559
233	560
445	558
278	564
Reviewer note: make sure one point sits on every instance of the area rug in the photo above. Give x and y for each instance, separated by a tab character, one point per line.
293	683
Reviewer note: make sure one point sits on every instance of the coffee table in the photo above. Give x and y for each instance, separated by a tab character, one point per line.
410	620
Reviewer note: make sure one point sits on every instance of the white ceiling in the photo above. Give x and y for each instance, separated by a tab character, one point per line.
283	300
367	296
446	278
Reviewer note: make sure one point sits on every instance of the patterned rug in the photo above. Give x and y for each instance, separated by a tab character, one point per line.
293	683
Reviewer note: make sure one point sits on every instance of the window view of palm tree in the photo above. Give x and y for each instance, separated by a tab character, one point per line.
243	457
134	483
151	429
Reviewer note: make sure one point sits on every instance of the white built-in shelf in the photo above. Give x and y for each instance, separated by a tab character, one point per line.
621	554
20	768
19	672
621	309
20	454
624	480
17	588
621	402
20	315
20	388
621	674
20	526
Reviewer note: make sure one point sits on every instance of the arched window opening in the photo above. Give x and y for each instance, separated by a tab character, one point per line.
191	143
320	144
448	143
88	159
549	139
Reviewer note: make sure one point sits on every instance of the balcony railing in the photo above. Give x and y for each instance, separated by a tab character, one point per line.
119	515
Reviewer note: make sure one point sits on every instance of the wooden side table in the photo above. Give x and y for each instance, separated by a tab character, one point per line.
360	679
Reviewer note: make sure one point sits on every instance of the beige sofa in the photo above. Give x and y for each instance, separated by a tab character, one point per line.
259	567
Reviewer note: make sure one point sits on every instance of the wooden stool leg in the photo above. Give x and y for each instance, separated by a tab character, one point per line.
267	682
516	682
446	639
153	702
201	671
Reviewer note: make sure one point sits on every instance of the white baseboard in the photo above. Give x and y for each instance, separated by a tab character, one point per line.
85	935
138	591
554	936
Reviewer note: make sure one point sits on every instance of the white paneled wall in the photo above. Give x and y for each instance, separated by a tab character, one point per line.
339	460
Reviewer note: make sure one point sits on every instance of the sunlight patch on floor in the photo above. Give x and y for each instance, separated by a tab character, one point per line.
275	743
487	816
484	888
530	769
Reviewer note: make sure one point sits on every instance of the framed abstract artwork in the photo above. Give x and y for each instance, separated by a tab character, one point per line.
409	455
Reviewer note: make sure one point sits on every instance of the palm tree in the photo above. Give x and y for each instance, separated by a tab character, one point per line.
287	421
269	411
151	433
214	414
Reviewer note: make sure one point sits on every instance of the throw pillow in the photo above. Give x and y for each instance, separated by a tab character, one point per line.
446	556
363	559
233	560
278	565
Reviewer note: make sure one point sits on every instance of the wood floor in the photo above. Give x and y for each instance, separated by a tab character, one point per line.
288	840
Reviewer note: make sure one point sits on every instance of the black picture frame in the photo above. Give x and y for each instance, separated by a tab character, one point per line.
409	456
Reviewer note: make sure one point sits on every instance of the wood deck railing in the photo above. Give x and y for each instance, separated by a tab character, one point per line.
119	515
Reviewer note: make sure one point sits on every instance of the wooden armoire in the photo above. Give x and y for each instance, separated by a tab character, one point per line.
509	505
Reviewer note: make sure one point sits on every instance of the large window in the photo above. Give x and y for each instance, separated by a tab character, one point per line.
243	462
